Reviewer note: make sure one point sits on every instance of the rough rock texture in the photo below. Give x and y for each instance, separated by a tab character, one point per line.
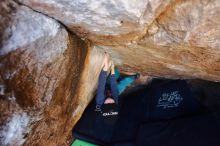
183	42
48	76
40	66
171	38
116	20
88	83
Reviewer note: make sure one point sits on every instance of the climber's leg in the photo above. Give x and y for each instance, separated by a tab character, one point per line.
125	82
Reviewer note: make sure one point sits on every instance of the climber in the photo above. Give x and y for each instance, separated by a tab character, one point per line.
109	90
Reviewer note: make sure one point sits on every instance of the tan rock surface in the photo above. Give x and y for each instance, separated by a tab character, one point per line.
183	42
40	66
103	21
172	38
88	82
48	76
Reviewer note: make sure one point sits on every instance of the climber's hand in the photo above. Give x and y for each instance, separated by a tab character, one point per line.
106	62
112	68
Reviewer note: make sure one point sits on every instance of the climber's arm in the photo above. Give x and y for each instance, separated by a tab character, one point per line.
113	84
100	96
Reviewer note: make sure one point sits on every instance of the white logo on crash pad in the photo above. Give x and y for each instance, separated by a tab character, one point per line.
170	100
110	114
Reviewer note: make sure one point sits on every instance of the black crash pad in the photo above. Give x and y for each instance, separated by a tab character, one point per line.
197	130
138	111
170	99
131	111
96	127
142	106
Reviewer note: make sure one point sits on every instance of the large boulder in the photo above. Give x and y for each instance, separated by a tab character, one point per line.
40	66
183	42
103	21
48	75
168	38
